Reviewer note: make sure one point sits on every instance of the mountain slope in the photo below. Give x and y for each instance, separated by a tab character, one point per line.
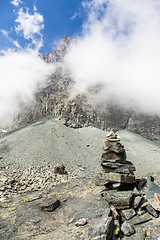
53	98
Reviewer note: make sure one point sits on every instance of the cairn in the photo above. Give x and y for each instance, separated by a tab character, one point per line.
117	171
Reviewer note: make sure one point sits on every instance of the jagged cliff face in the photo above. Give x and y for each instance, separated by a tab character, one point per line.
53	99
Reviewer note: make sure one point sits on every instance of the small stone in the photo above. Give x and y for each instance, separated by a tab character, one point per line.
50	204
60	169
81	222
155	205
114	212
152	211
128	214
127	229
141	212
137	201
140	219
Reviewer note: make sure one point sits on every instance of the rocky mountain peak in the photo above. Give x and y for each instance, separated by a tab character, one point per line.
59	52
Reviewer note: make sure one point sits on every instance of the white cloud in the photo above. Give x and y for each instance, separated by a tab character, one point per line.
20	75
16	2
22	70
30	26
120	50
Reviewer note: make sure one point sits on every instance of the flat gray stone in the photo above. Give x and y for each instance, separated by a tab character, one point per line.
120	199
128	214
127	229
152	188
113	157
116	167
140	219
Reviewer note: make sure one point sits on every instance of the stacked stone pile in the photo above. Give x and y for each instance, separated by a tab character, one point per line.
130	202
117	171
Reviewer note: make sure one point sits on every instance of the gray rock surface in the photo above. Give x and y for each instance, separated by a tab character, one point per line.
127	229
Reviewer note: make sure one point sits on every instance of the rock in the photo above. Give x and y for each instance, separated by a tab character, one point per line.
113	157
112	136
141	212
127	229
60	169
140	219
128	214
115	214
120	199
104	228
81	222
116	147
137	201
140	183
152	188
50	204
117	177
155	205
127	167
99	179
152	211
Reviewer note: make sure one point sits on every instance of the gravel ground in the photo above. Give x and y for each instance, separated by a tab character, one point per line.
48	143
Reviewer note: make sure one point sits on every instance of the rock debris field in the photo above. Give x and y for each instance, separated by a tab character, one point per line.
28	157
48	142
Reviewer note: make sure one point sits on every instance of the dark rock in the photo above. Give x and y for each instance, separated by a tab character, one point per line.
120	199
104	228
152	188
118	178
140	219
115	180
60	169
81	222
140	183
50	204
152	211
127	167
120	186
128	214
127	229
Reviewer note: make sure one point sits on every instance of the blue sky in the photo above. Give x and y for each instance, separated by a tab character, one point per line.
61	17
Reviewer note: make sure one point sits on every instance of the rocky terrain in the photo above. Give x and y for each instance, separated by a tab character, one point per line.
42	199
53	98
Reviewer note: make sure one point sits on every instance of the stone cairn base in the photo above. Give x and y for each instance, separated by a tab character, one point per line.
117	172
126	204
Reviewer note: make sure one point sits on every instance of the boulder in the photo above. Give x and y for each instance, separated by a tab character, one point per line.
50	204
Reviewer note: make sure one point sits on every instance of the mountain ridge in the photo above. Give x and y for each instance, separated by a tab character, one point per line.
53	98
